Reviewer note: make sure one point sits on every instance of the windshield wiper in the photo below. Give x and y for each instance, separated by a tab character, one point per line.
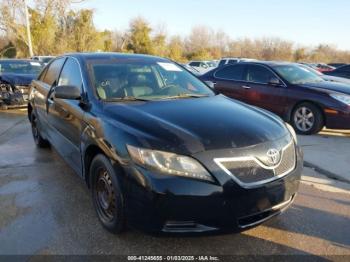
185	96
126	98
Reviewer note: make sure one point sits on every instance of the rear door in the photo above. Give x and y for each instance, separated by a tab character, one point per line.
229	81
259	92
66	117
42	88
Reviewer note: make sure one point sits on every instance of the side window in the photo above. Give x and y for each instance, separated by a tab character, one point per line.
234	72
222	62
70	74
197	64
53	71
258	74
42	74
232	61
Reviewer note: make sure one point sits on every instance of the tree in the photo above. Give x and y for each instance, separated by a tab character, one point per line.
84	37
8	51
44	15
300	54
175	49
139	39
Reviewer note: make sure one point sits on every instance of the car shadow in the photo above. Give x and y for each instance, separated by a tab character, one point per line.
314	222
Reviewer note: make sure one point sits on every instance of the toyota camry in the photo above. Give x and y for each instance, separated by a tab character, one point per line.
159	150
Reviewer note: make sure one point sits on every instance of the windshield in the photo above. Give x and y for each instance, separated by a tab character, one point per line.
145	81
297	75
20	67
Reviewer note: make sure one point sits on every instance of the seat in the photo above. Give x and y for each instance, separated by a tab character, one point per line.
138	85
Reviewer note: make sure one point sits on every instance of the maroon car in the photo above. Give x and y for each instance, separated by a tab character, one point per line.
293	92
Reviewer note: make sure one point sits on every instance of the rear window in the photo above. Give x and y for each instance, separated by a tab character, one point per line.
21	67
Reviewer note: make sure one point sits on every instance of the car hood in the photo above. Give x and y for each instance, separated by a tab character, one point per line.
196	124
336	79
329	87
17	79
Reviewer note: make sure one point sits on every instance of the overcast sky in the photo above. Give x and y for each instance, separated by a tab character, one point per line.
308	22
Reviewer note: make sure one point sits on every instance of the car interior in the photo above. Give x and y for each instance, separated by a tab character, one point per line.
115	81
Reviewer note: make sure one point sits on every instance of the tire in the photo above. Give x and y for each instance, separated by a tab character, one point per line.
38	139
307	119
107	196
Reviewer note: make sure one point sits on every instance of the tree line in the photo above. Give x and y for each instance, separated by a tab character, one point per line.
57	28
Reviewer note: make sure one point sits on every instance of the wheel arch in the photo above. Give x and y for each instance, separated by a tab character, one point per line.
319	106
89	154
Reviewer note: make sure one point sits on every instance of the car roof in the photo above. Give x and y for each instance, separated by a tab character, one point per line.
112	56
268	63
17	60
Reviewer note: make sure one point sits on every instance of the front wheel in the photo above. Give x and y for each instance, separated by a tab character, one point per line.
307	119
106	194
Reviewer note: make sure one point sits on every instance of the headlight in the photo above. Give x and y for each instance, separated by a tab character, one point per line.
169	163
292	132
342	98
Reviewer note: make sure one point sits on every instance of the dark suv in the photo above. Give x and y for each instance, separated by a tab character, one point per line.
291	91
342	71
159	149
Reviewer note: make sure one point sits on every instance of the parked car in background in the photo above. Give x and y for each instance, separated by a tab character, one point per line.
234	60
159	149
294	93
320	67
336	65
343	71
44	59
327	77
202	66
193	70
324	68
15	78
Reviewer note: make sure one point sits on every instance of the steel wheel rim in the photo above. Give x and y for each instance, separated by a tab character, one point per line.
304	119
104	195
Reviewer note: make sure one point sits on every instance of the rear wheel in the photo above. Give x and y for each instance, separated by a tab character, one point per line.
307	119
38	139
106	194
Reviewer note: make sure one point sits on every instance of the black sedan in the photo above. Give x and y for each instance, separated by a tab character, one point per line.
15	78
158	149
291	91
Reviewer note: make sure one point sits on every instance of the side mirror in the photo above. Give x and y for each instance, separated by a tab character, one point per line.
67	92
274	81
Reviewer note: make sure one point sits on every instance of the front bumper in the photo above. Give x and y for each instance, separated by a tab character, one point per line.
13	96
338	120
158	203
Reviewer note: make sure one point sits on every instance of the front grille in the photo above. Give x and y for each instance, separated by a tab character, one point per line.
251	170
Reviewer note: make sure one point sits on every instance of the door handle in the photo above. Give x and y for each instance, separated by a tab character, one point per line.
246	87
